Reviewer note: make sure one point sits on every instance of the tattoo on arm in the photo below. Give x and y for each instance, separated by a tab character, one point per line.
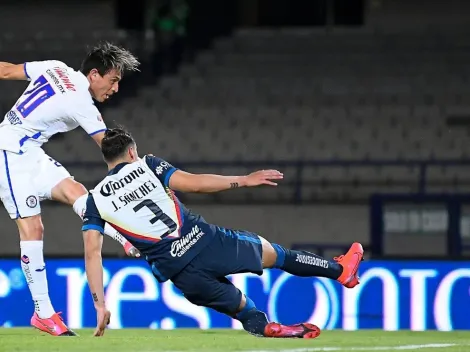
234	185
95	297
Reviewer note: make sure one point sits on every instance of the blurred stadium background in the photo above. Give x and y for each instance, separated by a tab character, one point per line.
363	104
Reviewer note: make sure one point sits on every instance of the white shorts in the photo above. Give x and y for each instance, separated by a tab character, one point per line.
26	179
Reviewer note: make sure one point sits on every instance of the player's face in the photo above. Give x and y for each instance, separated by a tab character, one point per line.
103	87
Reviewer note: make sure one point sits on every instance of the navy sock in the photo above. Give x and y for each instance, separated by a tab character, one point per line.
253	320
303	263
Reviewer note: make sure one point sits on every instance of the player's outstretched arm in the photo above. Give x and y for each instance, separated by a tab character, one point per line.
10	71
207	183
93	242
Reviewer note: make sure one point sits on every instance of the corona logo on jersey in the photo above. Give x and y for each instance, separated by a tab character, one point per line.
111	187
392	296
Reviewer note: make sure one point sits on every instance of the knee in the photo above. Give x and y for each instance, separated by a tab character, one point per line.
219	301
68	191
278	256
272	254
76	191
36	231
200	294
198	300
31	229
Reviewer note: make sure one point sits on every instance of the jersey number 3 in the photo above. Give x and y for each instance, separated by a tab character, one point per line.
42	90
159	215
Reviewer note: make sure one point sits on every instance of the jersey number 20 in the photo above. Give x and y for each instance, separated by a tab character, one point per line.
42	90
159	215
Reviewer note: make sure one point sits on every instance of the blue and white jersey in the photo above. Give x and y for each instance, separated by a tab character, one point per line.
136	200
56	100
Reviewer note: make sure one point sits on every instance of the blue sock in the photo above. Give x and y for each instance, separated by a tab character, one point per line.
253	320
303	263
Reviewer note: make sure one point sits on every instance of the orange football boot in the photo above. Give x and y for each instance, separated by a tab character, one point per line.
54	325
350	263
303	331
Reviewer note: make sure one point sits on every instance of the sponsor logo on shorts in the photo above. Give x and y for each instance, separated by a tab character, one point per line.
181	246
307	259
32	201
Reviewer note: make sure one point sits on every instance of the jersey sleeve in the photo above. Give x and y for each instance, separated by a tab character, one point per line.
34	69
92	219
161	168
89	118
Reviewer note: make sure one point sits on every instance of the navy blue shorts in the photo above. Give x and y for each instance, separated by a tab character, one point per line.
203	281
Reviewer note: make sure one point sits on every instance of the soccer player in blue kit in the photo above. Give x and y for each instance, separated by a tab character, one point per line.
137	199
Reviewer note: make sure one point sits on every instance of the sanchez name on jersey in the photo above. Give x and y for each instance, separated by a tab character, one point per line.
135	199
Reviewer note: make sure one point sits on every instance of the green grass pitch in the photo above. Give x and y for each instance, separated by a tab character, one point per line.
143	340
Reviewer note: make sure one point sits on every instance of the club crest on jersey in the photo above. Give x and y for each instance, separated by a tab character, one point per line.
163	166
111	187
32	201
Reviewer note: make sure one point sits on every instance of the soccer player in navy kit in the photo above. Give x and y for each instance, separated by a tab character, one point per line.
137	199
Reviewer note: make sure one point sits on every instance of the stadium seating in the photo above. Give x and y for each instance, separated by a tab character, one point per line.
296	100
312	95
290	95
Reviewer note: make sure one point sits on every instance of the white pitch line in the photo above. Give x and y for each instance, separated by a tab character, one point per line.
377	348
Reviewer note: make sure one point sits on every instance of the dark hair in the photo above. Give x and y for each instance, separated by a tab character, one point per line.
115	143
106	56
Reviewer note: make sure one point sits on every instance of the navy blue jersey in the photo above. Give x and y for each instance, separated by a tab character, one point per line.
135	199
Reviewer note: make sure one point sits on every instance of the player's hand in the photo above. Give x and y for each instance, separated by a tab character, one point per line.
263	177
102	318
131	251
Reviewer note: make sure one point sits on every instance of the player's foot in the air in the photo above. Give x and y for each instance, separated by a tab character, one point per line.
350	263
53	325
303	331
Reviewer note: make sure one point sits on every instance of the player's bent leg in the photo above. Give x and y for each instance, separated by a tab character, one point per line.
201	288
303	263
21	179
73	193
